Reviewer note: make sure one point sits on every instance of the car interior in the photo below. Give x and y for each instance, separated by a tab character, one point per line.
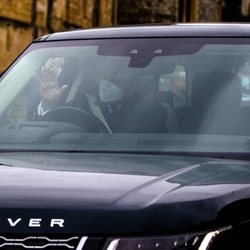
211	99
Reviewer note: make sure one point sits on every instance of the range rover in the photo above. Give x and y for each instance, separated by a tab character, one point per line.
128	138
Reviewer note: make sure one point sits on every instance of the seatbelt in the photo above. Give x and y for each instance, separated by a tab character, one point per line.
95	109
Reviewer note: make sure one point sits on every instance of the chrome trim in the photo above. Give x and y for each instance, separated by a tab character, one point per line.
39	238
6	239
113	244
82	243
209	237
37	247
50	242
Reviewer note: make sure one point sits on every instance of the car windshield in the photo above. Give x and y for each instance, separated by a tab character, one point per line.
160	95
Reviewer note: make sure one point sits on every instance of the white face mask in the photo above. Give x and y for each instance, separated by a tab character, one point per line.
109	92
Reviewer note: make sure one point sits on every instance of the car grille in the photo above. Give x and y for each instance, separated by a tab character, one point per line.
39	242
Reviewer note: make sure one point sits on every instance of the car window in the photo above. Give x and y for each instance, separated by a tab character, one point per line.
162	94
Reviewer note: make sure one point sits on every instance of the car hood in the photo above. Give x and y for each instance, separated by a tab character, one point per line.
110	194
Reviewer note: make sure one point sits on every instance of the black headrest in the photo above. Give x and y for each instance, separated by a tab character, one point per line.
218	89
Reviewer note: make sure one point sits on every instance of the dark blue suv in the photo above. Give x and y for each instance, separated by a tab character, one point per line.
131	138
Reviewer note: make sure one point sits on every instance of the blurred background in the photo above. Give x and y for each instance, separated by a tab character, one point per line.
21	21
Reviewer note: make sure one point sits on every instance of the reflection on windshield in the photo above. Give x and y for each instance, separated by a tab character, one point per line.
87	95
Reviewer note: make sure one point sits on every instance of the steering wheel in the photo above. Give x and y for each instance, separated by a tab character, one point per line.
76	116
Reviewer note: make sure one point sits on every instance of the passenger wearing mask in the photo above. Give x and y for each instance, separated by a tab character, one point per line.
127	111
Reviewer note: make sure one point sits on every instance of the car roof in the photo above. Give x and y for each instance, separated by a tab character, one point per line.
167	30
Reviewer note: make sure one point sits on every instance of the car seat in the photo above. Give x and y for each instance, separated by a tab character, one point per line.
215	104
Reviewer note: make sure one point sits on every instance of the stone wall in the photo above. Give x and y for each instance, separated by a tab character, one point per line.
147	11
17	10
15	29
164	11
23	20
106	13
208	10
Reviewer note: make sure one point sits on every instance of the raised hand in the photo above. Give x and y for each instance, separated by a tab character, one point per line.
49	89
